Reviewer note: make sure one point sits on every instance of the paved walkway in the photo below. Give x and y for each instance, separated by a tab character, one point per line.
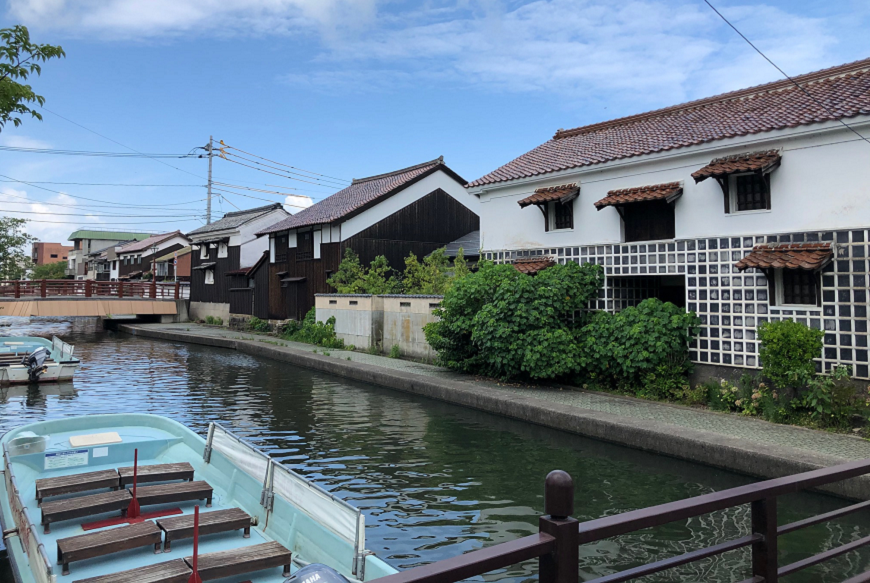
846	447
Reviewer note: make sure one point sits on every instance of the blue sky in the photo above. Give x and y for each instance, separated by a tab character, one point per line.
350	88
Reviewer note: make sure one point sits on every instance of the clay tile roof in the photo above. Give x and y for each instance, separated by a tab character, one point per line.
748	162
668	191
532	265
844	90
564	193
362	193
787	256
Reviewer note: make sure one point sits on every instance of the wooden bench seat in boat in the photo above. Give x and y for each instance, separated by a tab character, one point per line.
181	527
157	473
47	487
175	571
242	561
106	542
174	492
90	505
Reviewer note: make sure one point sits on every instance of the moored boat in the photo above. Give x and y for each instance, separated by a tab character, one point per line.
31	359
110	498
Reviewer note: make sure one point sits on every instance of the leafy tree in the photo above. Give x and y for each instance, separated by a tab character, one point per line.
787	352
353	278
460	265
349	277
14	261
430	277
56	270
500	322
20	58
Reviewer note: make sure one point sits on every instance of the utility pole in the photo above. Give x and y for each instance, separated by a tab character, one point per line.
208	204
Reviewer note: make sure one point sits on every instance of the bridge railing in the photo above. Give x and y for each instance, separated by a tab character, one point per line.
58	288
556	545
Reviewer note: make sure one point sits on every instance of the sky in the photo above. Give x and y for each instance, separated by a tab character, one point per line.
340	89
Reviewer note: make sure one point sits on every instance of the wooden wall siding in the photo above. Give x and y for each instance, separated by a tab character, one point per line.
420	228
219	291
241	300
261	291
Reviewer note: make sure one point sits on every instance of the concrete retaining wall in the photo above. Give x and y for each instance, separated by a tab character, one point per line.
380	320
201	310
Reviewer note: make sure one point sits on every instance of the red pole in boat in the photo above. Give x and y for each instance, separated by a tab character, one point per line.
194	577
133	508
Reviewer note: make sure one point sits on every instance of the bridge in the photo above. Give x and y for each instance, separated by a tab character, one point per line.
67	297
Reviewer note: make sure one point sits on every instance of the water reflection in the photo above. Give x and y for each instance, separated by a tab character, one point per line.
433	480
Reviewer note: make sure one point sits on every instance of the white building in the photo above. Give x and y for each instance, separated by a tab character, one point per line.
748	206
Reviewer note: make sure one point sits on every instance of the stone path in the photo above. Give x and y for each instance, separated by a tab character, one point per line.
761	432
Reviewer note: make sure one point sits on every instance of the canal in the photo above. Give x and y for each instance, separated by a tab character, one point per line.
433	480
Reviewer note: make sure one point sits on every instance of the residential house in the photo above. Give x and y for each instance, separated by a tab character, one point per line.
85	241
412	210
43	253
222	247
744	207
137	258
174	266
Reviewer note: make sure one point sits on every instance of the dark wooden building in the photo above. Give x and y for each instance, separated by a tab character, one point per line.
413	210
223	250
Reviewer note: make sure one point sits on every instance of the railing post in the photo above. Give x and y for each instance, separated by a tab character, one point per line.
42	288
563	564
153	291
17	289
764	559
177	289
120	289
88	290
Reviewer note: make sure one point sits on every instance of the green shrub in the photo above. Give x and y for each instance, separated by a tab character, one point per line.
502	323
255	324
833	400
213	321
787	352
352	278
374	349
313	332
395	352
623	349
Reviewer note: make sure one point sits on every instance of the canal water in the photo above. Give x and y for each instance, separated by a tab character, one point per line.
433	480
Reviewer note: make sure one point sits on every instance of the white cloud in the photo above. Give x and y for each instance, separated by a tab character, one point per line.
123	18
56	228
297	202
16	141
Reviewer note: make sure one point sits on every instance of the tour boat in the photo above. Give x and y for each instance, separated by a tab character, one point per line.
30	359
135	497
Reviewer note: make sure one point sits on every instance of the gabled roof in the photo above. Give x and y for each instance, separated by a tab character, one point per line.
809	256
169	256
668	191
362	193
845	91
748	162
562	193
145	244
236	219
107	235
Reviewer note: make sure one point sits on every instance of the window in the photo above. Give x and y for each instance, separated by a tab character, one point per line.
749	192
115	264
203	251
796	287
222	250
560	215
54	255
209	276
648	221
138	259
306	246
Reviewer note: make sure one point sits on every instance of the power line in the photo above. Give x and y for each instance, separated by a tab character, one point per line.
117	142
113	222
267	191
104	184
330	183
224	156
95	215
85	208
258	198
75	196
332	178
92	153
784	74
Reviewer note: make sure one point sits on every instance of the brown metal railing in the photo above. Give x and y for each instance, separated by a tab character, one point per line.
58	288
557	543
